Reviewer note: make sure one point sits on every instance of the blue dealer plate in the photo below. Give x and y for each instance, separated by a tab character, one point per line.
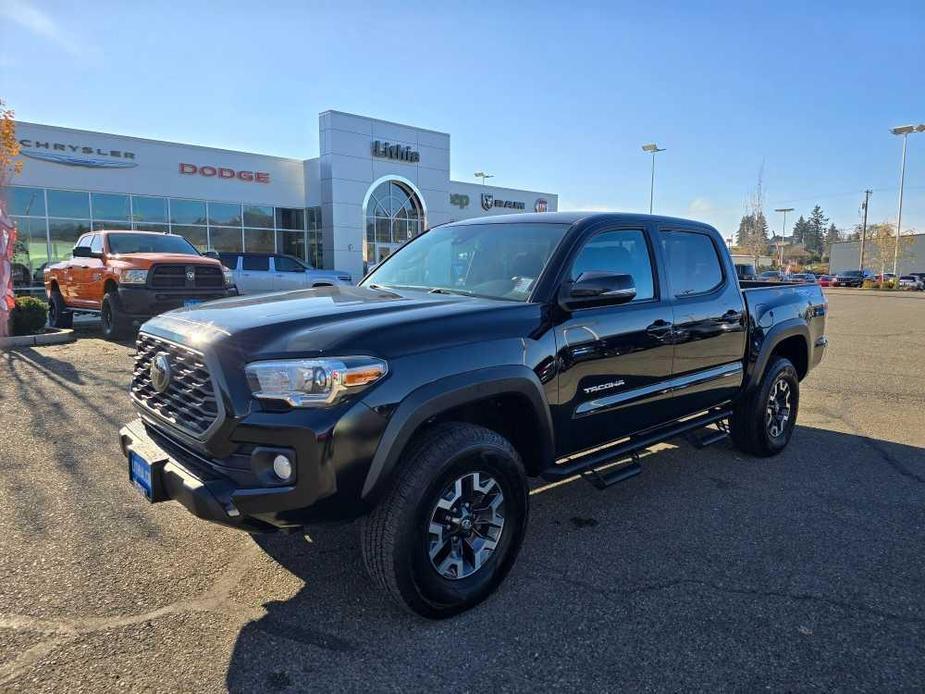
191	302
139	472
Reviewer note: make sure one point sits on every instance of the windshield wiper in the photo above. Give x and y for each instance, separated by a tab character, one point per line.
444	290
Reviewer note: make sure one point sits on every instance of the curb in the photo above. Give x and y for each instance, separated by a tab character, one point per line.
58	336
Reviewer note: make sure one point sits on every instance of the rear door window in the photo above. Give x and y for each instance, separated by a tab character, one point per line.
257	263
691	261
284	264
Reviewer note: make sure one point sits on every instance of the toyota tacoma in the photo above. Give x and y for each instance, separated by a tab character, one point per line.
479	355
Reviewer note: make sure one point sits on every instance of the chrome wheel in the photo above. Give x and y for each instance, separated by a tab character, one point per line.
465	525
778	409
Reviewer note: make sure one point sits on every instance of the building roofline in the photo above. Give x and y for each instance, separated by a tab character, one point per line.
381	120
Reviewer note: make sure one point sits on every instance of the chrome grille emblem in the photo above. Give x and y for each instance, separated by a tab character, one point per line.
161	372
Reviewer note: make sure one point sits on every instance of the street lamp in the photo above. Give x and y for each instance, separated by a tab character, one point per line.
483	176
783	233
652	148
903	130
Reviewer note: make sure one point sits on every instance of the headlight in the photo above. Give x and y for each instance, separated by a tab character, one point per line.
229	276
312	382
133	277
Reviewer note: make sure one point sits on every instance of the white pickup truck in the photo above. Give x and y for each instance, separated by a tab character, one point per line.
257	273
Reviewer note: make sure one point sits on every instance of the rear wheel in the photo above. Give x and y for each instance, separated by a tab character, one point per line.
115	324
58	315
762	423
449	528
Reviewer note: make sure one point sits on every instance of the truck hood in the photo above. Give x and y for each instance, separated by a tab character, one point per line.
344	320
149	259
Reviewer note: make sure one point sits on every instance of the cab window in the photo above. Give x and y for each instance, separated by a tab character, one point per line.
256	263
96	243
624	252
691	262
286	264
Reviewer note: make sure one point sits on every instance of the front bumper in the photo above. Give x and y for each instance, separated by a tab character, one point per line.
145	302
179	474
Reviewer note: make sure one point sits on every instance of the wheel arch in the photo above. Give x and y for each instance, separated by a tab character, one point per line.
789	339
508	400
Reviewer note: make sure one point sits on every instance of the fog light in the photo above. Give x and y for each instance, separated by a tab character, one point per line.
282	467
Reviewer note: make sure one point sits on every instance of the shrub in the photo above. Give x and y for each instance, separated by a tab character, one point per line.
28	316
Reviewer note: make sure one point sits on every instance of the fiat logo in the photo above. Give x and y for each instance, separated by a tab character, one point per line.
161	372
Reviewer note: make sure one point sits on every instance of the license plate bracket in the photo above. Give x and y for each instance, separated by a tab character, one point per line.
146	476
189	303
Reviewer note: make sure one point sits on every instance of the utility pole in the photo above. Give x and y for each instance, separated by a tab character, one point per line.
867	194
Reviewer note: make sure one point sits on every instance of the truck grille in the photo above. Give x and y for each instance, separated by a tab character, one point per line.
178	277
189	402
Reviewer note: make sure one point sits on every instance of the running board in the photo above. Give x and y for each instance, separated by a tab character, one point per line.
587	466
707	438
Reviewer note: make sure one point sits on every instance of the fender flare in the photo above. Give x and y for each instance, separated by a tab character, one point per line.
776	335
438	396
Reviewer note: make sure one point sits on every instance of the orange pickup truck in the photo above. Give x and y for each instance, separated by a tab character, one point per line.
129	276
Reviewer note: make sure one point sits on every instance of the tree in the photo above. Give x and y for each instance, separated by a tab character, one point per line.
9	167
832	235
882	244
752	234
814	234
799	231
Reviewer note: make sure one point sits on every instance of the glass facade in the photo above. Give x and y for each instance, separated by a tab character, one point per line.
393	215
50	221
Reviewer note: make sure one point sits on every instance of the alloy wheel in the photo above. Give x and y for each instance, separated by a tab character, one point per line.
465	525
779	408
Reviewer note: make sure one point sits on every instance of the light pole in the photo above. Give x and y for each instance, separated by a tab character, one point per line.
652	148
483	176
783	232
903	130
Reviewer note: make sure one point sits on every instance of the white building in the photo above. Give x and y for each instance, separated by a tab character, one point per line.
846	255
374	185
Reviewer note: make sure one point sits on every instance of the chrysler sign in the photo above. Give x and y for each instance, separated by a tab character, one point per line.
77	155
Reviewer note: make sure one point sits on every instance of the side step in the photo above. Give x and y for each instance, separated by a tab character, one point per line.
602	479
587	465
707	437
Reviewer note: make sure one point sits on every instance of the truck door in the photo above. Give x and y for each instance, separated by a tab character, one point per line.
709	320
613	361
94	274
255	275
288	274
77	274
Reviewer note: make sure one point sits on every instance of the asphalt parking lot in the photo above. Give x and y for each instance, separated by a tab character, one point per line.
710	570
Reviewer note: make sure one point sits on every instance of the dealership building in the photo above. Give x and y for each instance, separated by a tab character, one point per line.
374	185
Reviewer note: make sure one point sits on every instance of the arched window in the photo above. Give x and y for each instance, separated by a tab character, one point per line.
394	214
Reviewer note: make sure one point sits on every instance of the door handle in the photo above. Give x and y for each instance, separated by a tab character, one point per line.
659	329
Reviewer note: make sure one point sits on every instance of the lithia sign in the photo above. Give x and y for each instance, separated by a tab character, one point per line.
385	150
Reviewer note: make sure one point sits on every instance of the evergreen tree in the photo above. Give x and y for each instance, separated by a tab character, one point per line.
814	235
743	231
832	235
799	231
753	234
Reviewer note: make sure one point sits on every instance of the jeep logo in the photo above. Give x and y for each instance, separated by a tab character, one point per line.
460	200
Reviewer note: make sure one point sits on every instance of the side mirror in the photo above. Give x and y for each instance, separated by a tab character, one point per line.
83	252
598	289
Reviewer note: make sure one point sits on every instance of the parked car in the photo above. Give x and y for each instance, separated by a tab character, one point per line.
825	280
801	277
911	282
848	278
256	273
771	276
128	276
423	399
746	271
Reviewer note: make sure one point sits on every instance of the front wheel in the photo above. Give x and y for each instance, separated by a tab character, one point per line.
449	528
58	315
115	324
763	421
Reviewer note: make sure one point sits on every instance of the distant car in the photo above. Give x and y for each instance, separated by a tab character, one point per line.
848	278
802	277
746	271
257	273
771	276
911	282
825	280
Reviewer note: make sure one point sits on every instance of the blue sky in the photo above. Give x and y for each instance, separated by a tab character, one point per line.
557	97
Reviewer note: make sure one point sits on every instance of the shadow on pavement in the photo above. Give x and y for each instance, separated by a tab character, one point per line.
710	570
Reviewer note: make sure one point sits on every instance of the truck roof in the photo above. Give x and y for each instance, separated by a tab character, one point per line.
571	217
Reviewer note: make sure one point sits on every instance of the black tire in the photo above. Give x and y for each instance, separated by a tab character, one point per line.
396	536
115	324
58	315
753	428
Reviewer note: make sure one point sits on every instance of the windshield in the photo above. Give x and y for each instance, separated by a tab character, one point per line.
150	243
498	261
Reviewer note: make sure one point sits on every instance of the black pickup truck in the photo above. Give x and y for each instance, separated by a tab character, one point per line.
479	355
